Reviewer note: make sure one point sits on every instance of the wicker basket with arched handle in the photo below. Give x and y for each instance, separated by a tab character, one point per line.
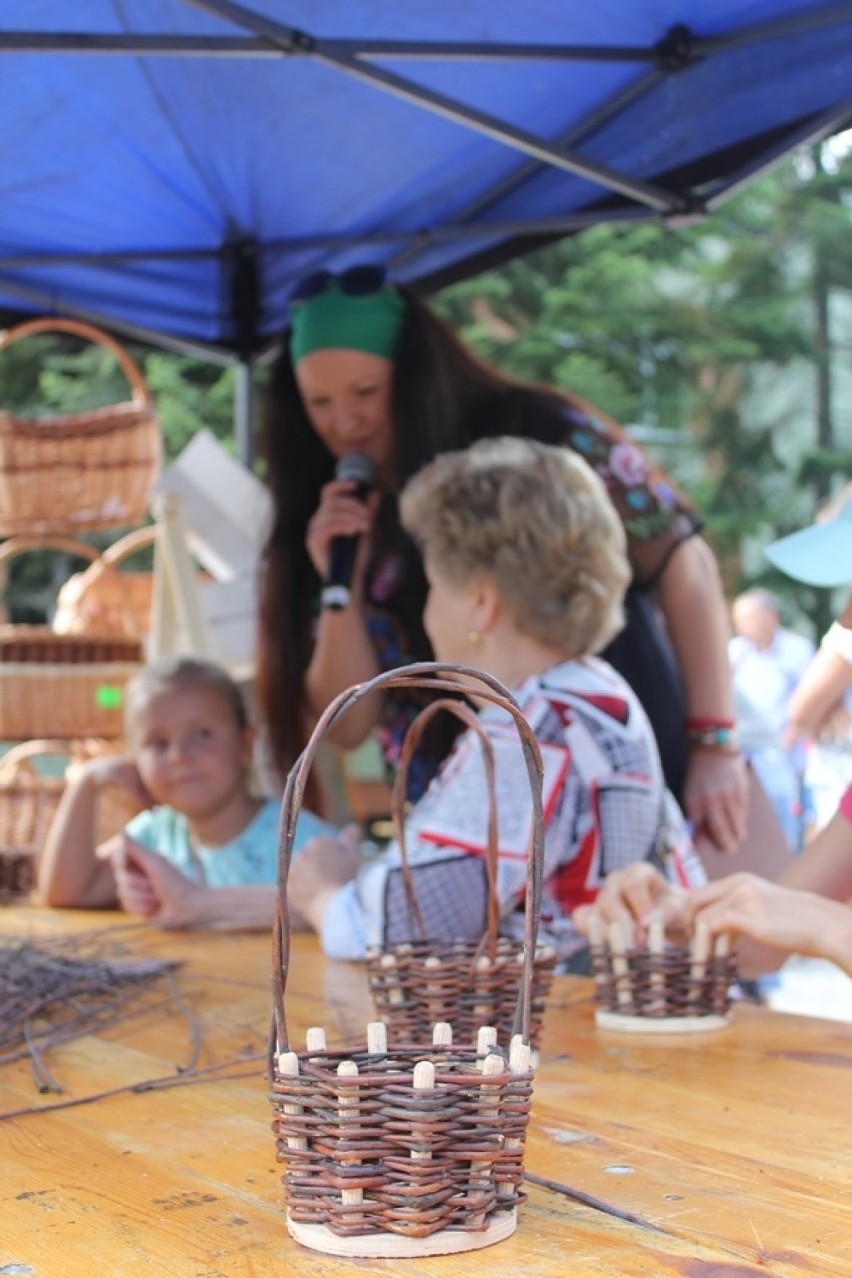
82	470
415	1148
471	982
29	797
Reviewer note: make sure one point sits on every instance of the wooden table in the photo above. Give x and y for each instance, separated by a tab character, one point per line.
732	1150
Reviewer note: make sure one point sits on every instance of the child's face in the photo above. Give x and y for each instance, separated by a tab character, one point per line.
190	751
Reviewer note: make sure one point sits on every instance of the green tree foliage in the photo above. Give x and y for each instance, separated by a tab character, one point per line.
49	375
695	333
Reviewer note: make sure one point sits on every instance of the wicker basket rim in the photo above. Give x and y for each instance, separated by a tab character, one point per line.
94	421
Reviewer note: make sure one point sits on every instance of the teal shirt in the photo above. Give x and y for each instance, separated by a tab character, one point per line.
248	860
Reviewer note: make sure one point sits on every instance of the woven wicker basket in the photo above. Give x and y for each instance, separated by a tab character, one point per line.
28	801
81	470
105	601
67	686
416	1149
470	984
661	987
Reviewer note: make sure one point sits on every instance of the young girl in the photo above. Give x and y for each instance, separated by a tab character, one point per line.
204	850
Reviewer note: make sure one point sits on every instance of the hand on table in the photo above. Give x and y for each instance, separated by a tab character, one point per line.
148	885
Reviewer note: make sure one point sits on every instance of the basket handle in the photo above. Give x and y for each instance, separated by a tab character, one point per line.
441	677
112	556
461	710
131	370
108	562
21	755
15	546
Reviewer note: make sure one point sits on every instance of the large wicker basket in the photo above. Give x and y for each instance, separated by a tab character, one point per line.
28	801
468	983
63	685
82	470
413	1149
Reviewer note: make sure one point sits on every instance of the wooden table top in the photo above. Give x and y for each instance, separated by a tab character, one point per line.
731	1151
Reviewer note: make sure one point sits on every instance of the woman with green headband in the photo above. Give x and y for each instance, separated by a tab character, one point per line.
366	367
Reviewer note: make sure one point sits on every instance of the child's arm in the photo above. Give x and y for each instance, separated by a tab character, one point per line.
148	885
71	873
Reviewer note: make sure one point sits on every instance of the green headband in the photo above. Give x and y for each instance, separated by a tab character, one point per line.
333	319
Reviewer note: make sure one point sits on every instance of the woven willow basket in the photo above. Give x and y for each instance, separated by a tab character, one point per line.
468	983
103	600
81	470
661	987
29	799
410	1149
67	686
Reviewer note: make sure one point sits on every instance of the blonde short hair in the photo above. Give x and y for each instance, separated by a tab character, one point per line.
537	520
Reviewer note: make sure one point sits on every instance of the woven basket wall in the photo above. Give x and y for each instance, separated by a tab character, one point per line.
83	470
29	799
63	685
669	983
410	1149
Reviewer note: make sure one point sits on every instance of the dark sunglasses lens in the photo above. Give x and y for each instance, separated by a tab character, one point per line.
311	286
361	281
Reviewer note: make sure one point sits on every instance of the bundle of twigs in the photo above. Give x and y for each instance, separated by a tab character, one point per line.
56	989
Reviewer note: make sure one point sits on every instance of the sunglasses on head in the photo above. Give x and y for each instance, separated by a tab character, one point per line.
355	281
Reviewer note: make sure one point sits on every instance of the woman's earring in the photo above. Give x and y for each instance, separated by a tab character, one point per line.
474	636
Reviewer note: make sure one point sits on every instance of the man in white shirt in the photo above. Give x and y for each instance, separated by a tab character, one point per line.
767	662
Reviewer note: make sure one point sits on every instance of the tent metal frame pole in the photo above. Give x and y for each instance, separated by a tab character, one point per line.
478	121
814	131
244	397
419	50
133	332
579	133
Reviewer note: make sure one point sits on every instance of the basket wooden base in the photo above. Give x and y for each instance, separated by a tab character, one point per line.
444	1243
658	1024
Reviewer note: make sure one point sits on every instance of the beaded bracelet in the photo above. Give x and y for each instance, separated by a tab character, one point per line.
714	735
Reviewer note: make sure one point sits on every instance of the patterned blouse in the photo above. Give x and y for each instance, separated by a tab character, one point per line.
605	805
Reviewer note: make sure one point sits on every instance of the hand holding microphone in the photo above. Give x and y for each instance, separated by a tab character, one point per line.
357	468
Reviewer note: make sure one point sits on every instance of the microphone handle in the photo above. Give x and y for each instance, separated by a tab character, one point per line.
336	588
335	592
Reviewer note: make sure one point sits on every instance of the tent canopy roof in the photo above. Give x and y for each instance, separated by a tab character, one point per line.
171	167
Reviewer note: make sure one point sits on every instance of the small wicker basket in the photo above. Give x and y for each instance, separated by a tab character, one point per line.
468	983
28	802
661	987
81	470
67	686
413	1149
103	600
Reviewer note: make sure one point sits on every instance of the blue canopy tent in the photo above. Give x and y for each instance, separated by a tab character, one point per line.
170	167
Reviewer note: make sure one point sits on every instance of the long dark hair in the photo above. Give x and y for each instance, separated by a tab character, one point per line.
443	397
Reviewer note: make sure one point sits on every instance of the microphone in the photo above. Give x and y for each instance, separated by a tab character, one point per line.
359	468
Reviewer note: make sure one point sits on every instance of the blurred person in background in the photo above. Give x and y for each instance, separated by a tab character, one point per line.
767	662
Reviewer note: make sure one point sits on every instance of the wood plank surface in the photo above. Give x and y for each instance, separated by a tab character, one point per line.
709	1156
